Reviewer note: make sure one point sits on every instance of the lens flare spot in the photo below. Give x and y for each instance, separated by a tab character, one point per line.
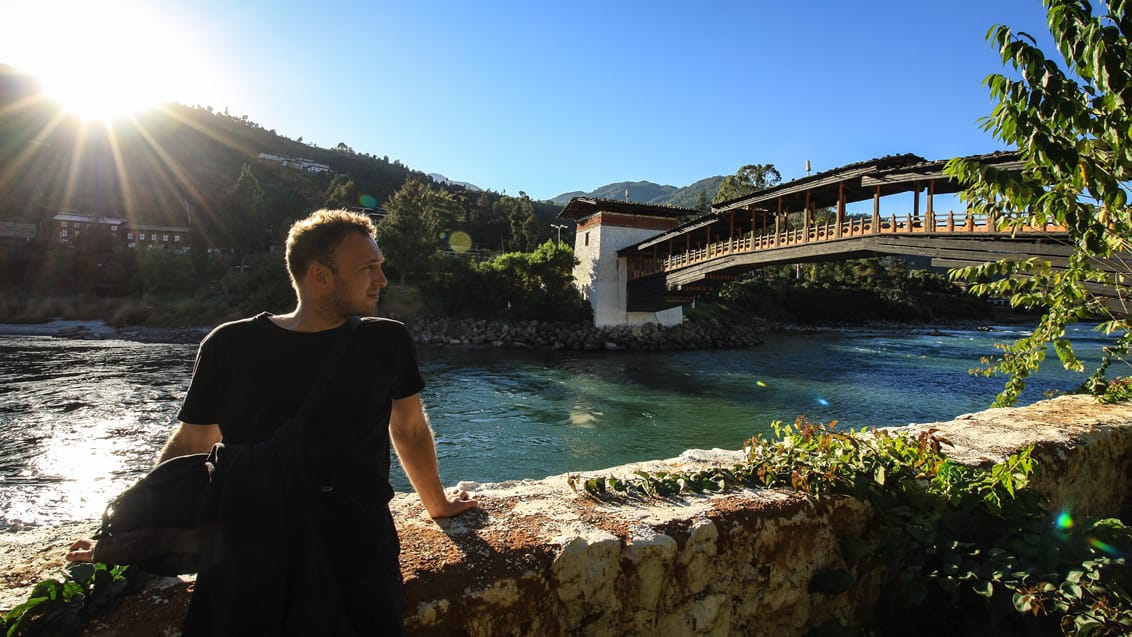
1063	521
460	241
1105	547
368	201
759	383
823	402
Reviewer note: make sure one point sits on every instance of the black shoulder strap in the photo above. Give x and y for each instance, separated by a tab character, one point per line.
314	394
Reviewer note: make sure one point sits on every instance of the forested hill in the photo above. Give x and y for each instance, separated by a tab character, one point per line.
692	196
180	165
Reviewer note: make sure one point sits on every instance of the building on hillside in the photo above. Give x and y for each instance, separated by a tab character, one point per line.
168	237
13	232
298	163
69	228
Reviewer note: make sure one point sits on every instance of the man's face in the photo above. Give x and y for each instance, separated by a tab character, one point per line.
357	277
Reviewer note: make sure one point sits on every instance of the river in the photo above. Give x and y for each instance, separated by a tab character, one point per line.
80	420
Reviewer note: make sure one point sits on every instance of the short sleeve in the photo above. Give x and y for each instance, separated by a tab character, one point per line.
408	380
203	402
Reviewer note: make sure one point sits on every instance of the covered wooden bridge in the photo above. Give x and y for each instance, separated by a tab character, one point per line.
806	220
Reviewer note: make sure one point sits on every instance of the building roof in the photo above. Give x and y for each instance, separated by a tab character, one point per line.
70	216
823	188
582	207
892	174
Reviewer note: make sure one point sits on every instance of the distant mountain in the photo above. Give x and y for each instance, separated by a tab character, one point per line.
441	179
651	193
689	196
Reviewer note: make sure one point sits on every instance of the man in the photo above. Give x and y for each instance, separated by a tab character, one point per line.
304	542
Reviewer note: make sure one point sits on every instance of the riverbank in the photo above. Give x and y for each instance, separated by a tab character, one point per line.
706	334
100	330
693	333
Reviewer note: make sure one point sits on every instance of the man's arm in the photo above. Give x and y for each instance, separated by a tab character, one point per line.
187	439
412	438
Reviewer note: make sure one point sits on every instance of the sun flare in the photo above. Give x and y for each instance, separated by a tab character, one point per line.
103	59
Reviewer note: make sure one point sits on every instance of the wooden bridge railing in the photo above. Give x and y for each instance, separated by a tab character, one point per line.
851	228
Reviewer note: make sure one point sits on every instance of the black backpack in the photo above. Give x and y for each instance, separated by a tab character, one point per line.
153	524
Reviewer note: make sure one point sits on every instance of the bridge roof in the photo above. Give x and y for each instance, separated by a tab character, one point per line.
582	207
893	174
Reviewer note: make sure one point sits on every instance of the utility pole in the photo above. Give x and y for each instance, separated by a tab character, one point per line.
559	227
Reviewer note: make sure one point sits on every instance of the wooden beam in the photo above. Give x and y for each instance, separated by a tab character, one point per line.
840	208
876	211
931	209
778	222
806	217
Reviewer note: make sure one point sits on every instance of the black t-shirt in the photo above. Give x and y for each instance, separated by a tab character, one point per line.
251	376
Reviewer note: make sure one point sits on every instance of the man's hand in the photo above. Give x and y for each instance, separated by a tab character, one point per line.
454	505
412	438
81	551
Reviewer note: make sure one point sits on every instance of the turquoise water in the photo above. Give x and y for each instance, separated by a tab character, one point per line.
81	420
507	414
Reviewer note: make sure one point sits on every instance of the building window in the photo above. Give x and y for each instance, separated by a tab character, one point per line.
63	224
176	238
63	234
165	238
129	236
587	238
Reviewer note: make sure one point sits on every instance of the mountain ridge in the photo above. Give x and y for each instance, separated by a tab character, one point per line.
648	192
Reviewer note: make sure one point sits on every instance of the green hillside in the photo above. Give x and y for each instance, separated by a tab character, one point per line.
651	193
170	165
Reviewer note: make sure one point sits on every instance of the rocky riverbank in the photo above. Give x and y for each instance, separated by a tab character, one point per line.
709	334
706	334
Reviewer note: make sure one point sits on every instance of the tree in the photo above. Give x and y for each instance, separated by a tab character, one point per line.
410	234
246	227
748	179
1073	129
536	284
341	193
524	223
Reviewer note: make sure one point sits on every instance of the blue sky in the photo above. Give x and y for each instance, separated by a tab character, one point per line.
547	97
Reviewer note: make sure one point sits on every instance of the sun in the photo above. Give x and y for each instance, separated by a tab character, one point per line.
102	59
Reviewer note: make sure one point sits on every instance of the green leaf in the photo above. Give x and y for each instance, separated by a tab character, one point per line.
984	589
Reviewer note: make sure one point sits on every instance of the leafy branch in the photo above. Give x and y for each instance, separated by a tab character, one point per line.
62	607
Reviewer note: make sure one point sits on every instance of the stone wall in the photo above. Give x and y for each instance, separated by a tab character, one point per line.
539	558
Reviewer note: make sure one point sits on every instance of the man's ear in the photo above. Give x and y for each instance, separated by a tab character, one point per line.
318	274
